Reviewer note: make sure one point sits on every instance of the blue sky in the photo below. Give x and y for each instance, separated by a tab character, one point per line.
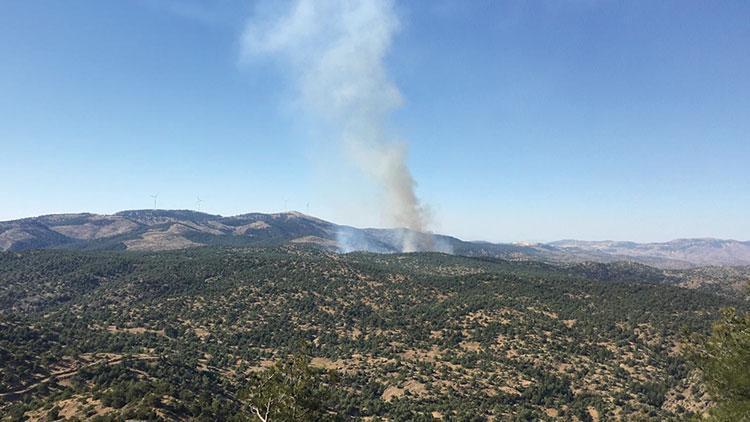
524	120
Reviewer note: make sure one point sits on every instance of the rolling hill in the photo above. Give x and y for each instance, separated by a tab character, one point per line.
180	335
154	230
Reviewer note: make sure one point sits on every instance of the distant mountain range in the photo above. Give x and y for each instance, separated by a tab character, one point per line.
676	253
178	229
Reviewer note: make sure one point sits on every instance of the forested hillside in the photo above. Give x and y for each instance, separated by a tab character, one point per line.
185	334
157	230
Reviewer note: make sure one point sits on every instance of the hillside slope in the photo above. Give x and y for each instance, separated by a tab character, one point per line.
179	335
180	229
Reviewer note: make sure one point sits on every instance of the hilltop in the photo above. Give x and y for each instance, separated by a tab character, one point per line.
153	230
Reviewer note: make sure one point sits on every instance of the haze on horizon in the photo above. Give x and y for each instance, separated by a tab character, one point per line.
523	121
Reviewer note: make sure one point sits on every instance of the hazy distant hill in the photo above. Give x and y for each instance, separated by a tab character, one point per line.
178	229
688	252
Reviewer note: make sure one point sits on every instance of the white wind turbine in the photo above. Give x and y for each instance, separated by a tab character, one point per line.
154	198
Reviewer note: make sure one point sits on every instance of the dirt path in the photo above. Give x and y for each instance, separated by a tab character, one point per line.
69	373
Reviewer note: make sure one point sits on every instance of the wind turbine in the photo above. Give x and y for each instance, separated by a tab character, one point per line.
198	203
154	198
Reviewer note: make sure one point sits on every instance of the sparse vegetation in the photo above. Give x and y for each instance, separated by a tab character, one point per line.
193	333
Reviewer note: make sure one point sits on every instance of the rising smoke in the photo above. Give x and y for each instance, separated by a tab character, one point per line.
335	50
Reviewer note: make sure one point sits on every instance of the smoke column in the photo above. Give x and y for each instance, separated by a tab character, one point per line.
335	50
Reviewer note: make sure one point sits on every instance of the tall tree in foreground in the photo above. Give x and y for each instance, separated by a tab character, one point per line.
290	390
724	358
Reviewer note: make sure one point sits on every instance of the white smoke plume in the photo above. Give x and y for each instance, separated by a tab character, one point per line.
335	50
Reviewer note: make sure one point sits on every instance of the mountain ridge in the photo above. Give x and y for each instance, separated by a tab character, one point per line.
147	229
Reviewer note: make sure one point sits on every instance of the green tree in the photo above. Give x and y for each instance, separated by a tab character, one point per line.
724	358
290	390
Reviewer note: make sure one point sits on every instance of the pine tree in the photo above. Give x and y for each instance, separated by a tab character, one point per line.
724	358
